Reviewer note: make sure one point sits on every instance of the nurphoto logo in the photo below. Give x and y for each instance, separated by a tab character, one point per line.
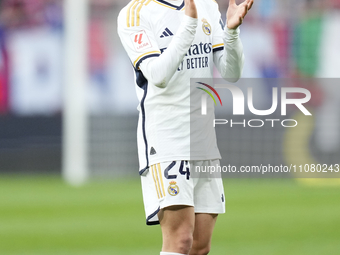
239	100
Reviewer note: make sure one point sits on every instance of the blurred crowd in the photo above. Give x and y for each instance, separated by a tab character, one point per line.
31	57
21	20
23	14
291	38
281	39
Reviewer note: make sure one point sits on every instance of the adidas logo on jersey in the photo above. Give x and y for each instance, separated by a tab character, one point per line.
152	151
166	33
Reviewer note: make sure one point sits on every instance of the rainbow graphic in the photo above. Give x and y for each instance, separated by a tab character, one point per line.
209	93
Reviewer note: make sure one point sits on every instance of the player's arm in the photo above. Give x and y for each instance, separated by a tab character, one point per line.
230	60
159	70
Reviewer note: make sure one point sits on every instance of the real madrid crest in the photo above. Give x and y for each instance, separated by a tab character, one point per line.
173	189
206	27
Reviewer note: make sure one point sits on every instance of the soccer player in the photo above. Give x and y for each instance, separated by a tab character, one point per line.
169	42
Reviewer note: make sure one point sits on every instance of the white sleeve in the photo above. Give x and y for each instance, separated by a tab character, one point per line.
230	60
159	70
137	37
227	48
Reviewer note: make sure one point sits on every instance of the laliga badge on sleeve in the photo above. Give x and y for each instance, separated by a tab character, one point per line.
140	41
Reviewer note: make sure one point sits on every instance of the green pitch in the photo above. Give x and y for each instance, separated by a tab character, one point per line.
42	215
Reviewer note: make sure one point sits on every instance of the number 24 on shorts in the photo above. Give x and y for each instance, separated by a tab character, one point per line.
183	170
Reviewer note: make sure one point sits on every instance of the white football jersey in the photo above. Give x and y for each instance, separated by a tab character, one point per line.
146	28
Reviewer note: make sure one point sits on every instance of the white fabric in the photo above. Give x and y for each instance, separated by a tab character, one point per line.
230	61
163	80
204	192
160	70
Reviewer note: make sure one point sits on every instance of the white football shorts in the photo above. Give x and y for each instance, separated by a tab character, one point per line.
169	183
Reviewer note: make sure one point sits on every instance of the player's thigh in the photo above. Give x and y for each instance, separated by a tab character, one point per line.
204	227
175	217
177	224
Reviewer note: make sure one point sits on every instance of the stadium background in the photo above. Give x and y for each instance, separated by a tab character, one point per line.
41	214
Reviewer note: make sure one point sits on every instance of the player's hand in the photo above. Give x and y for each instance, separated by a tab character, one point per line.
190	8
236	13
